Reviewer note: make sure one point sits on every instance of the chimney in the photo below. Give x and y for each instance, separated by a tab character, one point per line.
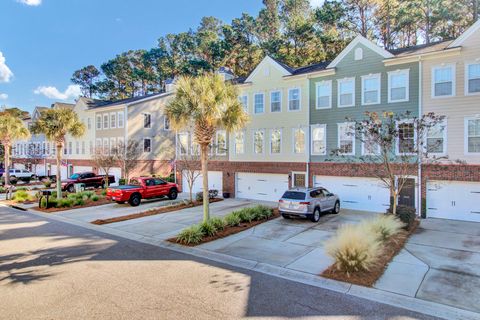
226	73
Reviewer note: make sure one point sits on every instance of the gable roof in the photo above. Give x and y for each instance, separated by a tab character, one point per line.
283	68
465	35
63	105
422	48
360	40
95	103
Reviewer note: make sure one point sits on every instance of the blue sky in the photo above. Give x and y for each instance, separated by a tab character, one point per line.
43	41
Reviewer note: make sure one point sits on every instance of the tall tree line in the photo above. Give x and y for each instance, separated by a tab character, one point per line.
289	30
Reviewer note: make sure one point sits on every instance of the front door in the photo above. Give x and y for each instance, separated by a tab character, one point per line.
299	180
407	194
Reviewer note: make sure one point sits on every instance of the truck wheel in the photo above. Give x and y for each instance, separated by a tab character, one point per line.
71	188
135	200
172	195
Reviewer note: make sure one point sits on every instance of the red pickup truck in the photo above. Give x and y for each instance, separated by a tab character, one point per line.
89	179
142	188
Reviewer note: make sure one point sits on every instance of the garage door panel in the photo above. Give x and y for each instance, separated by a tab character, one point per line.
115	171
215	182
260	186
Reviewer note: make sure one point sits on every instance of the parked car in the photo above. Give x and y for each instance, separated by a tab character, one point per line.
142	188
308	203
89	179
20	174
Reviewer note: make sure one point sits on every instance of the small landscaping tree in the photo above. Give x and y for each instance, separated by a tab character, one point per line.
34	158
190	171
105	160
207	103
394	145
127	155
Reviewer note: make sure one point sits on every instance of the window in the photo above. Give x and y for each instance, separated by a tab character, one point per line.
48	148
83	147
473	78
244	102
113	120
371	89
98	145
183	143
319	139
89	123
105	121
324	95
147	120
294	99
54	148
443	81
70	148
259	103
105	145
346	138
147	145
120	119
221	142
275	141
370	147
99	122
436	137
298	140
299	180
346	92
258	139
275	101
406	138
240	142
113	145
90	146
77	147
473	135
398	86
166	123
196	148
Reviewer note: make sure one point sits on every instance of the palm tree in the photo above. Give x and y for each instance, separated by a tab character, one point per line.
207	103
55	124
11	129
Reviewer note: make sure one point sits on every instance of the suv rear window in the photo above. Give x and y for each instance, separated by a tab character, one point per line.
294	195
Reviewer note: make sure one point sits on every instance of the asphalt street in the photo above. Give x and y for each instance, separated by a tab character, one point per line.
54	270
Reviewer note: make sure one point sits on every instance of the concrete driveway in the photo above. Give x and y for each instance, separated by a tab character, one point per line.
440	263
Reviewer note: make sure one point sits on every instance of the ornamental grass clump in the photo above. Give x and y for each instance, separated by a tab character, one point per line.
246	214
190	235
384	227
232	219
354	249
208	228
262	212
218	223
22	196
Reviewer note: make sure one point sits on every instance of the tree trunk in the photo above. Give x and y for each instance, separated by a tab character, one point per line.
59	170
204	159
394	209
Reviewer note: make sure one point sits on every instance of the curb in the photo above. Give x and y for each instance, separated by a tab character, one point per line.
373	294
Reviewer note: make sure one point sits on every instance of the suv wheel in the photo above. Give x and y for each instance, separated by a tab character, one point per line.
71	188
315	217
285	216
336	208
172	195
134	200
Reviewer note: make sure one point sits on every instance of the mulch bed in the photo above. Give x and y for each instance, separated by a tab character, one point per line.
152	212
89	203
228	231
368	278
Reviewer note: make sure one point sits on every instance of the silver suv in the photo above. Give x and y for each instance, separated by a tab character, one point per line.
308	203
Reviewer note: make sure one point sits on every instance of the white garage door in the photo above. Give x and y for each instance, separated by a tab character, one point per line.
365	194
116	172
20	166
215	182
261	186
453	200
78	169
64	171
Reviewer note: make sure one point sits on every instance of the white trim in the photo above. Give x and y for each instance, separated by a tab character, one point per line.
407	85
317	85
246	106
299	99
118	119
224	152
263	141
324	126
352	125
397	143
360	40
379	88
444	137
254	107
108	121
243	141
339	82
280	94
304	140
187	147
101	122
272	62
467	79
270	141
462	38
454	82
465	138
110	116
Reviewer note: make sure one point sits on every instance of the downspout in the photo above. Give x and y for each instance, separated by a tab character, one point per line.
307	178
420	98
175	159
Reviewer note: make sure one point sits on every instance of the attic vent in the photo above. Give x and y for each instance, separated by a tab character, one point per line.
266	72
358	54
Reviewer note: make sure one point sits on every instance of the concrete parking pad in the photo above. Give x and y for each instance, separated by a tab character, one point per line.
402	278
448	240
314	262
311	238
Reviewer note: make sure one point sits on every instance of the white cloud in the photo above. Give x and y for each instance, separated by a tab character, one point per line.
316	3
33	3
5	72
3	96
73	91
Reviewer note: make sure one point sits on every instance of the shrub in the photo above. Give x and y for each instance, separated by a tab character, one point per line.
22	196
65	203
122	181
104	192
354	249
95	198
218	223
262	212
3	189
47	183
246	214
190	235
21	189
79	202
384	226
208	228
407	215
88	194
212	194
232	219
199	196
